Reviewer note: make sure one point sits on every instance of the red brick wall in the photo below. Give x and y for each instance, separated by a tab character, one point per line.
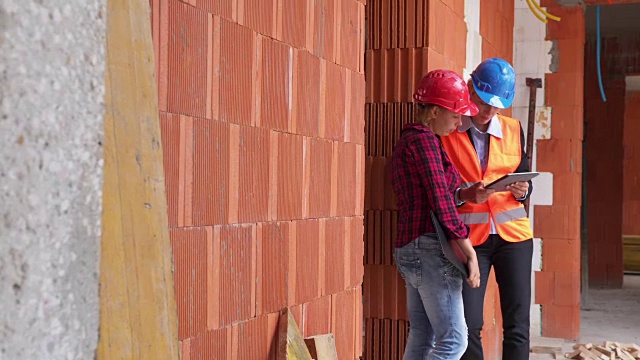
558	284
604	122
262	116
610	132
631	165
405	39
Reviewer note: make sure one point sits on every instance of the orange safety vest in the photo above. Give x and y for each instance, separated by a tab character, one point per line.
508	214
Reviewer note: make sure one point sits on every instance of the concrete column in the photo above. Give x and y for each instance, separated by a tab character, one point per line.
51	125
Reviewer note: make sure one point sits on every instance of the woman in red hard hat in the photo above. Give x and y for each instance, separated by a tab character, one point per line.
424	180
486	147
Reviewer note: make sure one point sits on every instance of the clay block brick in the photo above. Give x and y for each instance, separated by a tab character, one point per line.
225	8
343	322
277	69
237	279
567	189
567	288
253	197
557	156
356	262
374	183
630	211
384	292
560	321
460	52
572	25
213	277
320	178
317	316
557	222
355	107
185	349
565	89
373	300
456	37
350	27
236	61
545	286
336	243
187	60
385	81
358	322
394	289
186	172
381	196
259	15
567	122
290	170
273	272
561	255
307	260
325	29
488	49
438	15
306	87
571	55
210	172
435	61
293	23
214	344
189	248
457	6
254	338
335	107
170	133
346	179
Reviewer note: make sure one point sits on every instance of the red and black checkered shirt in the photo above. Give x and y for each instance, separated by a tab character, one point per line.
424	179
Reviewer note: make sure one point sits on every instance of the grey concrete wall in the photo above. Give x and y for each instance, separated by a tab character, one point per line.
51	119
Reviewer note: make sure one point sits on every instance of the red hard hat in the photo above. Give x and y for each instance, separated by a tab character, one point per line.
447	89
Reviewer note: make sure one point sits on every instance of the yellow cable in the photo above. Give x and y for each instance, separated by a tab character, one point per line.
533	10
552	17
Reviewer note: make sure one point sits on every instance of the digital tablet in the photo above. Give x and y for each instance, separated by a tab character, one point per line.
454	255
501	184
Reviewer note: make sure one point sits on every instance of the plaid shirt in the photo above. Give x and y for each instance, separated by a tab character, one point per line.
424	179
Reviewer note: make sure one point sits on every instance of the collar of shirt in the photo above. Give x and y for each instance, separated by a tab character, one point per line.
415	126
494	126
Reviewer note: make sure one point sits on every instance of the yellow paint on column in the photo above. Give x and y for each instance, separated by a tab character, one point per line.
138	318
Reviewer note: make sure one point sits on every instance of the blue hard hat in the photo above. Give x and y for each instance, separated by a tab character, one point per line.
494	81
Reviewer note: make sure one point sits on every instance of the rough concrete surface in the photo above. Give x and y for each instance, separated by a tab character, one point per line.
612	314
51	119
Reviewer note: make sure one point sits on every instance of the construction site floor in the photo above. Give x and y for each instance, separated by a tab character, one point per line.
607	315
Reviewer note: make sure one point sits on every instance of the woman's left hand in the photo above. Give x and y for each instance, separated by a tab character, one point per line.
519	189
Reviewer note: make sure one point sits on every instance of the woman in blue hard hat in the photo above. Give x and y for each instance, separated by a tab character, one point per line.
486	147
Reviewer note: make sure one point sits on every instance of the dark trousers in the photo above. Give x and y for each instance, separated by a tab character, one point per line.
512	266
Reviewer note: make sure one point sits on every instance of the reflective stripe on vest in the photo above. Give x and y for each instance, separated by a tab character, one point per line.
509	215
475	218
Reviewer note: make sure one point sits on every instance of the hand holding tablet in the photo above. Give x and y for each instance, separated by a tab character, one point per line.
502	183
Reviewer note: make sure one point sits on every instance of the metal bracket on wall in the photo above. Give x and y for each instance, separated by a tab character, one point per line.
534	84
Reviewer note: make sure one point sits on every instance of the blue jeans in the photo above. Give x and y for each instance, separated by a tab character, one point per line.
437	328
